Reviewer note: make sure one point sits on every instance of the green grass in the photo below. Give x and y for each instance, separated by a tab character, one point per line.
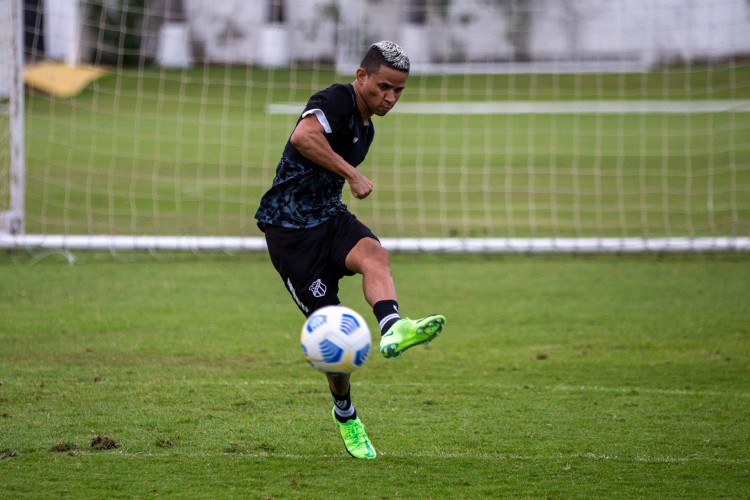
557	376
191	152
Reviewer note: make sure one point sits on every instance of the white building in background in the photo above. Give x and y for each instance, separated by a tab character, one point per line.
556	33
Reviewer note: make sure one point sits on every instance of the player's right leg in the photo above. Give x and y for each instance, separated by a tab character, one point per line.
352	431
354	435
302	258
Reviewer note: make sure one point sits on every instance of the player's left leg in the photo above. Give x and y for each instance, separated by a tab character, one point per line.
406	333
372	261
353	432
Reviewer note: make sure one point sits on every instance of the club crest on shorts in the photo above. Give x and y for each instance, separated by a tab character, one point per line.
318	288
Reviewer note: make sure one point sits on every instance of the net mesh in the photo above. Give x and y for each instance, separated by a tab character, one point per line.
523	120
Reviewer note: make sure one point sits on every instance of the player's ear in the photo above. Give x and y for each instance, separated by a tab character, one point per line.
361	74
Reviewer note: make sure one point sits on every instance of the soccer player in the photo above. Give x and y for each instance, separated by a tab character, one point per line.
314	241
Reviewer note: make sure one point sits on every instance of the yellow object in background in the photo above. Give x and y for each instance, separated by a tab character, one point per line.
59	79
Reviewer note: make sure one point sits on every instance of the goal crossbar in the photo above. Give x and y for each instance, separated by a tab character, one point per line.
414	245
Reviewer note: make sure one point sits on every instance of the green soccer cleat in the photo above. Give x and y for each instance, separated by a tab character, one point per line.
406	333
355	438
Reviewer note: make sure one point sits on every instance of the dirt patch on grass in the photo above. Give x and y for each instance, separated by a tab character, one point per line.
63	448
103	443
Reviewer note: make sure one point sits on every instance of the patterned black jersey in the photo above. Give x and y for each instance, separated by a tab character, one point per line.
303	193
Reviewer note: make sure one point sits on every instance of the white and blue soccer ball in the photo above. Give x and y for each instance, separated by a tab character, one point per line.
335	339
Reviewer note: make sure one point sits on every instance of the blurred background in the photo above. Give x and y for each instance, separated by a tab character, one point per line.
283	32
528	119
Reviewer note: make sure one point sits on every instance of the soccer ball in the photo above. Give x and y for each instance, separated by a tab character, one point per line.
335	339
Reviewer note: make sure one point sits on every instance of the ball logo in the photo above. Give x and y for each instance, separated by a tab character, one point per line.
349	324
331	352
315	322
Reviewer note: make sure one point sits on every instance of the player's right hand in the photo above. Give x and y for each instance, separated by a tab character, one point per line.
360	186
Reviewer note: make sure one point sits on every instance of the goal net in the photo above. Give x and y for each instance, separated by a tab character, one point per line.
526	125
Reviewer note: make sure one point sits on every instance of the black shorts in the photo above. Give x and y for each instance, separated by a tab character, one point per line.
312	261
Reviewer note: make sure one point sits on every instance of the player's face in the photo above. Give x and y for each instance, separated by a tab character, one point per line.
379	91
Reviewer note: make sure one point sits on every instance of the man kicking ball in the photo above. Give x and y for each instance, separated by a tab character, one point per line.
314	241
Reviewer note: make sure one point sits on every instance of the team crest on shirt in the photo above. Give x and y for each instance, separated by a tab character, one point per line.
318	288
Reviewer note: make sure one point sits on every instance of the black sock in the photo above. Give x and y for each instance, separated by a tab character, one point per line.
343	407
386	312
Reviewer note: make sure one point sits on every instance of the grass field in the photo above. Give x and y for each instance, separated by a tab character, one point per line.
191	152
557	376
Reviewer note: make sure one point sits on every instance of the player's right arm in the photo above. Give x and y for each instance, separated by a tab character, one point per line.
310	140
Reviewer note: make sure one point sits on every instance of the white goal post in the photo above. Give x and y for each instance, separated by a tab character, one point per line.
527	126
12	116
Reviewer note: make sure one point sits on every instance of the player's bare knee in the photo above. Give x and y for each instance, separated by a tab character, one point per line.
380	257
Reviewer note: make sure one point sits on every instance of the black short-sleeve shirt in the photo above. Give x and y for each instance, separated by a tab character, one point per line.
304	194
